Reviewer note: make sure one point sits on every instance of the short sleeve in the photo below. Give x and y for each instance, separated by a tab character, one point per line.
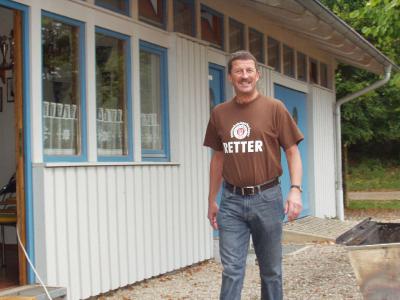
212	139
288	132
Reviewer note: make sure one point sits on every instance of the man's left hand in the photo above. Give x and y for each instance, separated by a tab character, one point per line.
293	204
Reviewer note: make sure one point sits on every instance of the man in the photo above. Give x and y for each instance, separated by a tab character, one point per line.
246	134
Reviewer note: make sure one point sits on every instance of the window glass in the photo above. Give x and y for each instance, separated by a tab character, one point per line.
301	66
256	44
153	106
153	12
274	54
111	94
184	17
288	61
212	26
121	6
61	83
313	71
324	74
236	36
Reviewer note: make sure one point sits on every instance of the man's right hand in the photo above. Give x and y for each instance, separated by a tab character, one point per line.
212	214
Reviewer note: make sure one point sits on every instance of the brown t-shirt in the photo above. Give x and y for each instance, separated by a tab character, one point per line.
251	136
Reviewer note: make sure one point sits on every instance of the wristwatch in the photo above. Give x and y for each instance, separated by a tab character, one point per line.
294	186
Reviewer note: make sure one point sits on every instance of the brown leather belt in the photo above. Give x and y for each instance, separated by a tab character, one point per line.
251	190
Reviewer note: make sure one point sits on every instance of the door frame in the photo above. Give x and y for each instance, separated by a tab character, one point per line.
221	69
23	140
222	85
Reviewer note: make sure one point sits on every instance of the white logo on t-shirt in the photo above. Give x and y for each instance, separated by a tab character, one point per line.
240	130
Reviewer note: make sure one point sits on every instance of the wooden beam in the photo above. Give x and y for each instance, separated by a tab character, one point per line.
20	176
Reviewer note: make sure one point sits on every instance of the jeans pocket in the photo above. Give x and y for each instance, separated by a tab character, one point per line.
271	194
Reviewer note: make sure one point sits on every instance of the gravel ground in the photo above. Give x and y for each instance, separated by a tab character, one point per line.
317	271
306	276
381	215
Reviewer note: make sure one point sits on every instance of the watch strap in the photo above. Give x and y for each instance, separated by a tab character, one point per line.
295	186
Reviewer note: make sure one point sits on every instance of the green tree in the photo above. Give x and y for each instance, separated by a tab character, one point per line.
375	117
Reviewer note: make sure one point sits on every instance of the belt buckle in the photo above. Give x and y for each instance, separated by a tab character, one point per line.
249	187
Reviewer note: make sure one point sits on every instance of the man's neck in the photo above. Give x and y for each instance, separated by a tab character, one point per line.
244	99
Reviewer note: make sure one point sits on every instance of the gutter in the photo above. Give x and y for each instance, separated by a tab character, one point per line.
338	104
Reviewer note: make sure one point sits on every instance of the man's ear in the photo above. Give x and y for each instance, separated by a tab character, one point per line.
258	75
229	77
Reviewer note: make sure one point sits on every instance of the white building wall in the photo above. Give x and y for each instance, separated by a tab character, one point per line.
323	152
99	227
265	84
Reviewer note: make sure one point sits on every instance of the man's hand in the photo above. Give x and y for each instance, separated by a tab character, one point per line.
293	204
216	165
212	214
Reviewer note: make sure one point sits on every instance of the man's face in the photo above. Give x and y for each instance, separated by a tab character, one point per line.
244	77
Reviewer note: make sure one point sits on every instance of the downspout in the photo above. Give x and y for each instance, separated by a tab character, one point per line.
339	102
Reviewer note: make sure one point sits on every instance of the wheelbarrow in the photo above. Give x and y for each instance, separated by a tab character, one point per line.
374	252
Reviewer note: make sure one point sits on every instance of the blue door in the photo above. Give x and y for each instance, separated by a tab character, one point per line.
216	83
296	103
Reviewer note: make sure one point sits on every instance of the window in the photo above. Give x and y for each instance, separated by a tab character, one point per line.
113	118
212	27
256	44
63	85
313	71
288	61
152	12
274	54
120	6
154	102
301	66
236	36
184	17
324	74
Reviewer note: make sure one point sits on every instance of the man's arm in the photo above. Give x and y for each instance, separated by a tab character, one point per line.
293	204
216	165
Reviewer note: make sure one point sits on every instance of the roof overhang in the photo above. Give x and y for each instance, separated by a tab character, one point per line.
311	20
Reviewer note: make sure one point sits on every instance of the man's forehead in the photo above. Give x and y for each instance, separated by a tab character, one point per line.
243	63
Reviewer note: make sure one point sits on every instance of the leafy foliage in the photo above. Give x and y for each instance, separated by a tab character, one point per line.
374	117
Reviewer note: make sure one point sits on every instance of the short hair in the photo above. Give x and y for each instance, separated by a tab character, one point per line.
241	55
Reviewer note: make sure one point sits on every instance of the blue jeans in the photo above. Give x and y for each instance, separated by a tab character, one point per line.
261	216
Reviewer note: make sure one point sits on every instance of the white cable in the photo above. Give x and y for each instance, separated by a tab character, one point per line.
33	268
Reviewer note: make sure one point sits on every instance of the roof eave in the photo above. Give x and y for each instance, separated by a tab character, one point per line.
317	8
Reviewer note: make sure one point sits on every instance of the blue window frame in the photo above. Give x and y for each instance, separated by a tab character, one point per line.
119	6
154	102
63	89
113	96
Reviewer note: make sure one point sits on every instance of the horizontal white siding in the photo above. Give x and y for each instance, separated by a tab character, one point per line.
323	154
98	228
